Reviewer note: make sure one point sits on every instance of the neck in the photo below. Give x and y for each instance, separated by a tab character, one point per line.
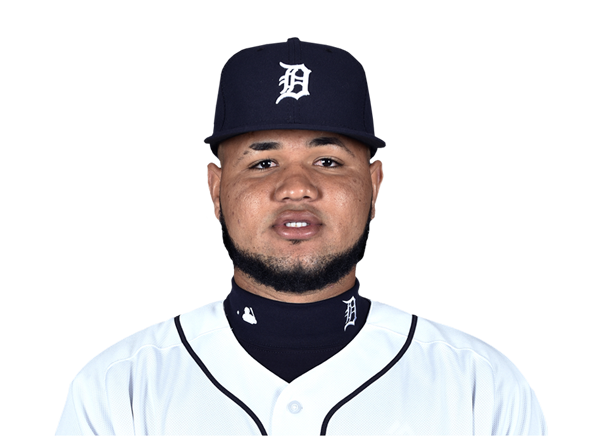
247	283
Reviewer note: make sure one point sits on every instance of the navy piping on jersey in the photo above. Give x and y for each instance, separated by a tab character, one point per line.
334	409
411	333
214	381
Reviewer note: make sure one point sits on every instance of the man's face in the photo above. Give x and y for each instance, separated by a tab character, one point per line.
294	198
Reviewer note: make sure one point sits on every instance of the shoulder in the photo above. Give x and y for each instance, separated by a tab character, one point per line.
441	349
157	340
101	396
455	361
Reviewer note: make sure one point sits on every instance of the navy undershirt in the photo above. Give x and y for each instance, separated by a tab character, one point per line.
290	339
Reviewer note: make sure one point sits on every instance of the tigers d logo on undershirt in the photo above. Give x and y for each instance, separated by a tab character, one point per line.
350	312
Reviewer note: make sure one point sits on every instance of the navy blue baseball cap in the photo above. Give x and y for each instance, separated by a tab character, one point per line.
294	85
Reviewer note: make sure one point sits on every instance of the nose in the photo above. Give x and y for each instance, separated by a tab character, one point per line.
295	184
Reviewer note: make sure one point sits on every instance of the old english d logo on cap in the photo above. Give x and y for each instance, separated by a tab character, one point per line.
295	75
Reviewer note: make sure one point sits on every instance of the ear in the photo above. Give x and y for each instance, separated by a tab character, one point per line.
376	169
214	186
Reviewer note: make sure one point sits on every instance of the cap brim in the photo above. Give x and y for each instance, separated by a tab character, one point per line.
370	141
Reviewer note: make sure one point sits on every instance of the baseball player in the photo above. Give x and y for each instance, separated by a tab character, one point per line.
295	348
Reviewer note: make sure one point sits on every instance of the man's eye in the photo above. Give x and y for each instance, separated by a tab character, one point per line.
264	164
327	162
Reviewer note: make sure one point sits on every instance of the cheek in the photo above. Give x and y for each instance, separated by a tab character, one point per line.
242	205
352	192
350	202
362	189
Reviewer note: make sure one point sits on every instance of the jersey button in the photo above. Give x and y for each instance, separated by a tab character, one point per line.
295	407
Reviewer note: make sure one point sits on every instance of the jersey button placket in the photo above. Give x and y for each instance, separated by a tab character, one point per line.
295	407
294	414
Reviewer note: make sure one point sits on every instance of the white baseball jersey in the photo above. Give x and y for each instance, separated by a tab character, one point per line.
399	375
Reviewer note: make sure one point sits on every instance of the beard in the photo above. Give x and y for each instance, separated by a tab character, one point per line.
299	277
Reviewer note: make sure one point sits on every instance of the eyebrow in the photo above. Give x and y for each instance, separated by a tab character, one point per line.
262	146
329	140
317	142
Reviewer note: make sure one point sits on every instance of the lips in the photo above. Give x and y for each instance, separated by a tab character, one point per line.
297	225
297	216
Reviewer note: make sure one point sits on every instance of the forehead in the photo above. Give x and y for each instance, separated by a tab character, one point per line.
290	140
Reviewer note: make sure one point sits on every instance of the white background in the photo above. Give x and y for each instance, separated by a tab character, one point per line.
27	160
